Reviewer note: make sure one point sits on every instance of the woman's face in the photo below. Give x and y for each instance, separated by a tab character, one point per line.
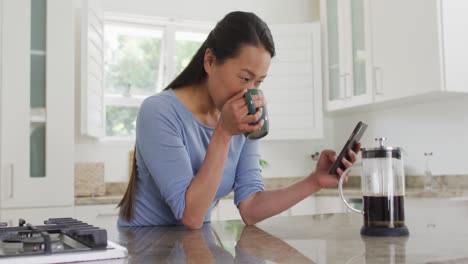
246	71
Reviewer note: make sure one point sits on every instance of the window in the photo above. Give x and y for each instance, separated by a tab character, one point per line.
139	61
186	44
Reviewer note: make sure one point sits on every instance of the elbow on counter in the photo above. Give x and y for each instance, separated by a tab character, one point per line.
192	223
248	220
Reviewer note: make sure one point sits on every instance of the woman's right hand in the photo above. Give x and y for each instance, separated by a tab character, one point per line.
235	119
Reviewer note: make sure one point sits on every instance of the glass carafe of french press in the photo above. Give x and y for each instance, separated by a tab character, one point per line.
383	190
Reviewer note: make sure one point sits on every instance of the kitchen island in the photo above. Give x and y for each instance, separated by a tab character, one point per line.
438	234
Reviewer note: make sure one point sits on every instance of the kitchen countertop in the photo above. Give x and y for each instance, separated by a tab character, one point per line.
438	234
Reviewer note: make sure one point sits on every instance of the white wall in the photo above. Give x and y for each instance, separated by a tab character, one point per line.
438	126
286	158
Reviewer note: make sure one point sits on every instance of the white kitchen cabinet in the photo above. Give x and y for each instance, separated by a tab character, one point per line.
293	87
419	47
103	216
329	204
347	45
393	50
35	216
334	204
304	207
36	103
226	210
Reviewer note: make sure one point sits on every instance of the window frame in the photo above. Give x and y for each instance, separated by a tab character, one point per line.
169	27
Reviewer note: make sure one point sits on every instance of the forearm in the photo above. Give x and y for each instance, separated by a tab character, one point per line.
265	204
203	188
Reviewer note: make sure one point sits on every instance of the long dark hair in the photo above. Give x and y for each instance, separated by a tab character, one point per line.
225	40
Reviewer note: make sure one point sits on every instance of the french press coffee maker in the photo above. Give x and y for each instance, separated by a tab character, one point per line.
383	190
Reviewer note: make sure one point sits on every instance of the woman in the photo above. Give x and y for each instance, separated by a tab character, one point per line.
190	148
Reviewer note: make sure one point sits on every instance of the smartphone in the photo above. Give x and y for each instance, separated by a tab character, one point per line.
354	138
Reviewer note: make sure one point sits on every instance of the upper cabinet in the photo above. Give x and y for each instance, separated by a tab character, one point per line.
348	68
405	48
36	103
453	41
388	50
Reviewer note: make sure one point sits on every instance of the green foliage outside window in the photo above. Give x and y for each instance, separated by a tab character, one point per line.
133	68
184	52
121	121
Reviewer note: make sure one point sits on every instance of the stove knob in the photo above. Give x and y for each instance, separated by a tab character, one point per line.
21	222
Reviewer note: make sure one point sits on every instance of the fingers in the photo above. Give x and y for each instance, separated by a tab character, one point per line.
340	172
357	148
352	155
258	101
239	95
346	163
329	154
240	107
239	104
253	118
252	128
235	113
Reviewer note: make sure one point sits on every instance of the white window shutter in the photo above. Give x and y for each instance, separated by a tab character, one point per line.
293	87
92	70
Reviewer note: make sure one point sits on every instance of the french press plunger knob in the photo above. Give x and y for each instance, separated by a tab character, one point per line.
381	141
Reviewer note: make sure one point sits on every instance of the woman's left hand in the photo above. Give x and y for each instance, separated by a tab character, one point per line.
321	178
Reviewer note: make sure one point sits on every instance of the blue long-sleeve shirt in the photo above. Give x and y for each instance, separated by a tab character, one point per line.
170	148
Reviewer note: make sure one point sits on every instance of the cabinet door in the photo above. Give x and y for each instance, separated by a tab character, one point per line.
335	54
304	207
405	48
329	204
358	77
455	40
37	103
348	60
103	216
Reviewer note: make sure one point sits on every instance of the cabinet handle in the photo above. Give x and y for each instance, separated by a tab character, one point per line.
12	181
378	77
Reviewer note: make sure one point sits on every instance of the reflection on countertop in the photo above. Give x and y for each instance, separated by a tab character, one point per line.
444	187
214	243
437	235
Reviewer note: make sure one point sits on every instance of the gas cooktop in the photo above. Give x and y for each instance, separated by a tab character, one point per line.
56	236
